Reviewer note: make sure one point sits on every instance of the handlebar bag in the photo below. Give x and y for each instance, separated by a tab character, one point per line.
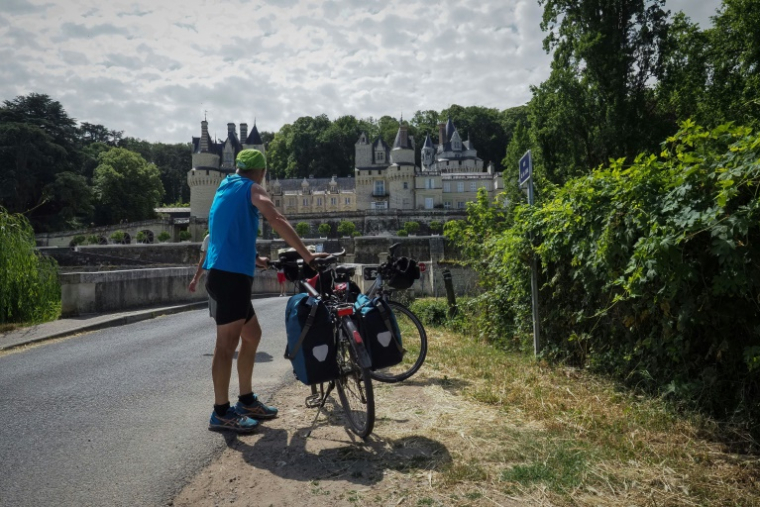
311	344
380	331
402	273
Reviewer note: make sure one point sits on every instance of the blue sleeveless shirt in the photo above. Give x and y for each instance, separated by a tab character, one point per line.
233	224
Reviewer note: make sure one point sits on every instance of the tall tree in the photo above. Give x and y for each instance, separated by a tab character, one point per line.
613	49
37	140
126	187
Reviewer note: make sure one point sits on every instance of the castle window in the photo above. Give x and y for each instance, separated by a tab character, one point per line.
447	204
334	201
305	202
277	202
460	204
406	186
429	183
319	201
348	200
447	186
473	186
460	186
379	187
379	156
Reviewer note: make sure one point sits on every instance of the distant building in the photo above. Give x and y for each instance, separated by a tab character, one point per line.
385	177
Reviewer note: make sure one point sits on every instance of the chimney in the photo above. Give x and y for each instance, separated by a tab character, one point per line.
243	132
403	135
230	130
442	133
204	136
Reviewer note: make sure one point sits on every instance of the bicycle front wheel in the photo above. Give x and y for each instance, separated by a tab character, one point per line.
355	390
414	341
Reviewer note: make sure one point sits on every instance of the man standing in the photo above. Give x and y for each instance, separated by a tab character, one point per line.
231	260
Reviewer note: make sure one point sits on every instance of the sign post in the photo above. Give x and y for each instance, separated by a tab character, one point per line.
526	178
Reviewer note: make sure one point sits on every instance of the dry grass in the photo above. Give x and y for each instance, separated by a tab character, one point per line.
480	427
544	435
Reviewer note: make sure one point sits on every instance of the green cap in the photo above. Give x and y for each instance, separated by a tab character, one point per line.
250	159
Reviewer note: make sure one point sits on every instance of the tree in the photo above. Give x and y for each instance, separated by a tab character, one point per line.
324	229
435	226
346	228
164	236
597	103
302	228
37	141
126	187
68	203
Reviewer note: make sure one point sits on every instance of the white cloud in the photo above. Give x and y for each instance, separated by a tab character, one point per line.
152	68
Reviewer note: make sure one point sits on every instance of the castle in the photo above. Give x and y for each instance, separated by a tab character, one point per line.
385	177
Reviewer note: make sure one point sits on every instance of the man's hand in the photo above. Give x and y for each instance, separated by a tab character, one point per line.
261	262
192	285
310	260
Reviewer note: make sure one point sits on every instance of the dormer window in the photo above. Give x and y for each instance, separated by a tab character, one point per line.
456	145
379	156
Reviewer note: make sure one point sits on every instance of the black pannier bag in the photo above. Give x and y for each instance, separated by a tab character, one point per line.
380	331
293	272
311	344
402	273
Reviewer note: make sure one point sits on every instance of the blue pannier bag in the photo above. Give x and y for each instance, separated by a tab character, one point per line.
380	331
311	345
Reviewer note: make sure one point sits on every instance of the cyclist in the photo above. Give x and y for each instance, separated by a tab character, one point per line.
230	262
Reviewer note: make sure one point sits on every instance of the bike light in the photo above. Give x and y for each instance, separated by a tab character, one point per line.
342	312
357	337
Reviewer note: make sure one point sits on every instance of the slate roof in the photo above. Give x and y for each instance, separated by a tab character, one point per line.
254	137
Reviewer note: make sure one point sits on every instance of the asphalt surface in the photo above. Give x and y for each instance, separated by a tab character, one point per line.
119	416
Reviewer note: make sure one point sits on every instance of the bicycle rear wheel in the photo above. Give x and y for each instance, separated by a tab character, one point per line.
414	341
355	390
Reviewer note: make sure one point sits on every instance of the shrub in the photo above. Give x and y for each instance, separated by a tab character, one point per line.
650	270
29	281
141	237
431	312
324	229
164	236
118	237
412	227
77	240
185	235
402	233
93	239
356	234
346	228
435	226
302	228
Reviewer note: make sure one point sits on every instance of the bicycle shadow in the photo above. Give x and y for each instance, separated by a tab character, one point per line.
362	463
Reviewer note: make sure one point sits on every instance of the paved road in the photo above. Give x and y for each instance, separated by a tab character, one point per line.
119	416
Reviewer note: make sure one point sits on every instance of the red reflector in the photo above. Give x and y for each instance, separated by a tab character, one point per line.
357	337
342	312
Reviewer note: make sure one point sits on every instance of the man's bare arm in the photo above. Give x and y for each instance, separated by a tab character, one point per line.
279	223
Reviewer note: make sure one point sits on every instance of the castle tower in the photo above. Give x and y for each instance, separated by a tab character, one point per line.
427	154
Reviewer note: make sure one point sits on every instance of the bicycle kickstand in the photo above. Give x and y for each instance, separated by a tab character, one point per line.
317	400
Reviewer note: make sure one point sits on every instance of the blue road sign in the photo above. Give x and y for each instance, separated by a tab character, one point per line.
526	168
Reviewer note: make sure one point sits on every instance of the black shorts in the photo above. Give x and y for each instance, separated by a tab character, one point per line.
229	296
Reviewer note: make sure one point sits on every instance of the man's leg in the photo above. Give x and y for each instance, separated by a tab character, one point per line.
227	338
249	403
251	335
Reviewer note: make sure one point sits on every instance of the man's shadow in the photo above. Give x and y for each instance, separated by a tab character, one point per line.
360	462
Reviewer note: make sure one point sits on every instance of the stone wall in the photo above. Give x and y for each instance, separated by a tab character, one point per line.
110	291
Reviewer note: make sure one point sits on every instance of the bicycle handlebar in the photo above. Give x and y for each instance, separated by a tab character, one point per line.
321	262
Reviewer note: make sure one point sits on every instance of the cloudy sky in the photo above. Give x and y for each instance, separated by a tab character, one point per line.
151	68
